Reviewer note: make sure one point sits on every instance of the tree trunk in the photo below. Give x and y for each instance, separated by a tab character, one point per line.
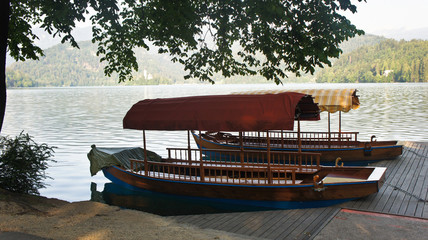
4	29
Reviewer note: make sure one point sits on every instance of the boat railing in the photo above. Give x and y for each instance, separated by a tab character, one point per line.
230	166
297	159
288	139
238	173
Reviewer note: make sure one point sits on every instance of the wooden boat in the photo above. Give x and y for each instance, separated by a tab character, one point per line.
285	180
351	151
331	144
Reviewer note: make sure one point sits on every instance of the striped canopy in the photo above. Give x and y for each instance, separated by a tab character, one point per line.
330	100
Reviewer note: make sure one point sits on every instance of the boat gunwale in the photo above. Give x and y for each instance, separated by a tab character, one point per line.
293	149
274	204
297	185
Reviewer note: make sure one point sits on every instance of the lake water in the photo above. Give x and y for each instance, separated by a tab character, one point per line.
72	119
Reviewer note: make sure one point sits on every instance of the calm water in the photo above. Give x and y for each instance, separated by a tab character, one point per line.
74	118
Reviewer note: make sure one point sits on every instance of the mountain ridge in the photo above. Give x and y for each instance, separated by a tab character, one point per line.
63	65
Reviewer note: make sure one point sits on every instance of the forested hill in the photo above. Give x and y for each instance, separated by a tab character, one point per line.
387	61
67	66
63	65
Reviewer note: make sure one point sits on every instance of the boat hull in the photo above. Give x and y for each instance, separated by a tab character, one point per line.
351	156
272	196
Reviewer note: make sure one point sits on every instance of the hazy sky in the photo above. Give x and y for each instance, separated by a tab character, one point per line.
376	16
383	16
389	18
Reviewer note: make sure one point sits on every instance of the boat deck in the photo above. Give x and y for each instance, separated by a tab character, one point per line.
405	193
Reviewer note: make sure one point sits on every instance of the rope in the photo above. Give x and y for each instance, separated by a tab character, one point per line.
408	193
416	153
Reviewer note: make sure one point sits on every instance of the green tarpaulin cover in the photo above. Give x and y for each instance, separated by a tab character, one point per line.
106	157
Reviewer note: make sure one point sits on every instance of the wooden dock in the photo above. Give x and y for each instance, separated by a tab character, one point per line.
404	193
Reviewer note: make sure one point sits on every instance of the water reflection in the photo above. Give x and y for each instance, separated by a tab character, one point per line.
162	204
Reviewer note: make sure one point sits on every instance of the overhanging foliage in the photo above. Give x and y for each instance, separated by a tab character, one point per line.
205	36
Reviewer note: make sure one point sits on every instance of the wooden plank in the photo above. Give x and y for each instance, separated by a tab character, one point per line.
412	180
410	209
289	231
245	219
350	204
367	201
400	168
322	219
273	219
329	216
230	223
214	219
247	227
392	196
204	221
379	201
425	212
401	207
414	189
268	220
306	227
393	167
289	225
199	219
380	198
233	221
255	222
397	203
400	201
292	230
383	200
283	223
383	194
394	180
410	166
186	218
278	223
282	220
422	207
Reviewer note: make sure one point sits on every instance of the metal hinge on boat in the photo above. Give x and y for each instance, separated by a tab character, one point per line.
367	149
318	185
368	146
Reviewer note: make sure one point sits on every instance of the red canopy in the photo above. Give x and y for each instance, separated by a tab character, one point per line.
222	112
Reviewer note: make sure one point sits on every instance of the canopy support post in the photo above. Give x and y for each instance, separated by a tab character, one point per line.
340	125
299	139
282	138
146	164
300	144
329	132
241	148
268	157
201	165
189	153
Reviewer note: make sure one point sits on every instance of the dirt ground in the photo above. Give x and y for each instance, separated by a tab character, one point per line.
57	219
